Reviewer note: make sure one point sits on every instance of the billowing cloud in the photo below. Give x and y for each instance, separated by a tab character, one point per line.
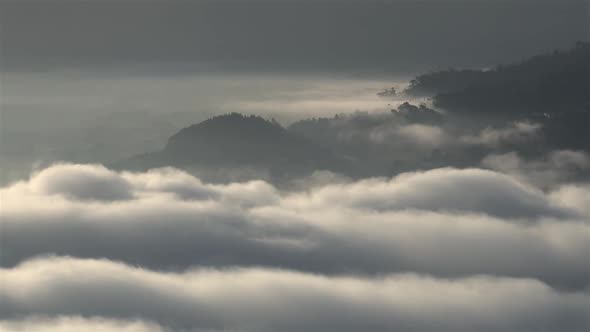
468	190
82	182
85	248
275	300
446	222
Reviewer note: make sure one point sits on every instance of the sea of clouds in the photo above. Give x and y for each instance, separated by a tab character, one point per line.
85	248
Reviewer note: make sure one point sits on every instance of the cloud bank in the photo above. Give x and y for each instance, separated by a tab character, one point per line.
274	300
445	222
87	248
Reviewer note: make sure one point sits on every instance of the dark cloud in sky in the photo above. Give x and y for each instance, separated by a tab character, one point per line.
394	36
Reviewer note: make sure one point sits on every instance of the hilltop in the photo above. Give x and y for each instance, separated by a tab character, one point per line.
553	83
234	141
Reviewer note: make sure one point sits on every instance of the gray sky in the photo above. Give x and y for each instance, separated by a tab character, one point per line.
399	37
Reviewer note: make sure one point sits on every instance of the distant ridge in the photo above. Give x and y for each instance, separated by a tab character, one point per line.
554	83
237	141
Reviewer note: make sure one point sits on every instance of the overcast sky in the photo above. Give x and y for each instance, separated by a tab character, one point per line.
385	36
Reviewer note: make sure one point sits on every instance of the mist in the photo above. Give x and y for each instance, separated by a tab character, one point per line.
198	166
104	116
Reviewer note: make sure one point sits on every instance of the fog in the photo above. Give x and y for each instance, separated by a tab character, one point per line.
163	250
248	166
104	116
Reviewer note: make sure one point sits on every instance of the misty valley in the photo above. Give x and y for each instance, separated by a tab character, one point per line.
256	166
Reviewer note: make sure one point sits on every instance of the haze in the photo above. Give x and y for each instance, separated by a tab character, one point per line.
176	166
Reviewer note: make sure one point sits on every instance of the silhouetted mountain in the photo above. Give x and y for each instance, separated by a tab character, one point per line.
552	83
236	147
234	141
531	108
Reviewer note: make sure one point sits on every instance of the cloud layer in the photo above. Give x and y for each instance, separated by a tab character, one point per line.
274	300
444	222
84	247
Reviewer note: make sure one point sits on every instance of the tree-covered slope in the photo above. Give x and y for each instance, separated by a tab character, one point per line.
551	83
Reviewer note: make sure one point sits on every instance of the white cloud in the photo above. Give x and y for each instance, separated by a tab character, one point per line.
76	324
446	189
575	196
274	300
83	182
161	251
444	222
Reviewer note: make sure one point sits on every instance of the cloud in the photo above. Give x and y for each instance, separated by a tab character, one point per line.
82	182
446	189
576	196
76	324
557	167
275	300
446	222
439	250
419	134
423	134
519	131
433	136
